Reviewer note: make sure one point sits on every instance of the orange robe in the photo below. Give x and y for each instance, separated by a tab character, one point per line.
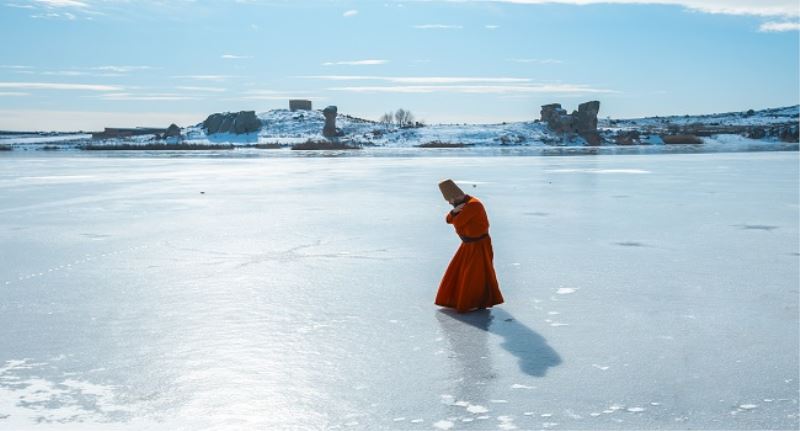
470	281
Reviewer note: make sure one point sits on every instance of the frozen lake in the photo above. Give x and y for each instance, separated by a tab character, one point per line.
642	292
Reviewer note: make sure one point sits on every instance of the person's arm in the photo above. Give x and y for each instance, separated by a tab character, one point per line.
467	213
451	215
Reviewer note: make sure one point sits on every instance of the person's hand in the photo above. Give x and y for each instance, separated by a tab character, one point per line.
458	208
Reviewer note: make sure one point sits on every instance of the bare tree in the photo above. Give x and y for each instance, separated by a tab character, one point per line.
403	118
386	118
400	117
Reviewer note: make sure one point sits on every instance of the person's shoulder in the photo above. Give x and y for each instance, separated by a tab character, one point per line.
473	201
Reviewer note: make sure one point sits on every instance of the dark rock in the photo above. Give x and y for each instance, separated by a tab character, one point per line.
757	133
551	113
330	130
232	122
246	122
582	122
172	131
212	123
627	138
586	117
227	124
682	139
789	134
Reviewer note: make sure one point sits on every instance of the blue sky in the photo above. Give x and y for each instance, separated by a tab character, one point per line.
85	64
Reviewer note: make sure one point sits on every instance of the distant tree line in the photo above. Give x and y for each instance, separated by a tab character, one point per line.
402	118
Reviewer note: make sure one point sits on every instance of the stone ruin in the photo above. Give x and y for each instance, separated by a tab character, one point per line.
299	105
582	122
232	122
330	130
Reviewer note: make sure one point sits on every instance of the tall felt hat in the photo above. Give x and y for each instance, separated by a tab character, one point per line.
450	190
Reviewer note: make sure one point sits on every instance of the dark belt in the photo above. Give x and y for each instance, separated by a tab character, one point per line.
469	239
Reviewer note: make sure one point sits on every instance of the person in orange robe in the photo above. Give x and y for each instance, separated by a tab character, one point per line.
470	281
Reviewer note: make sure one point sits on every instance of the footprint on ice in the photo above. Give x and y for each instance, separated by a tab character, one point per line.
600	367
748	406
416	421
636	409
399	419
557	324
498	401
566	290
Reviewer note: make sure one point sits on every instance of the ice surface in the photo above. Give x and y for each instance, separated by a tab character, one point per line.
296	293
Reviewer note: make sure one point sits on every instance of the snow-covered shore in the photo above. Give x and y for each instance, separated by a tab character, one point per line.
280	129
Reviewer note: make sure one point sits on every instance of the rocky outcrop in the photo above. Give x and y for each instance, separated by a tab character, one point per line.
173	131
330	130
585	119
582	122
232	122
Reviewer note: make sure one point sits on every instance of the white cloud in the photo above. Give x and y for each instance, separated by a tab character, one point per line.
20	6
273	97
204	77
355	63
438	26
121	69
13	94
421	79
477	89
731	7
205	89
536	60
771	27
62	3
64	73
58	86
146	97
351	12
491	27
235	57
16	119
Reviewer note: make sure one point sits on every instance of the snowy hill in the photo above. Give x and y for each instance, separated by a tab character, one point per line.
282	126
764	117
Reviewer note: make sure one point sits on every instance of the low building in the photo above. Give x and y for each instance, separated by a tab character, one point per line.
299	105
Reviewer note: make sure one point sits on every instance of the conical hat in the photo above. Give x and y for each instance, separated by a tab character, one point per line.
450	190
